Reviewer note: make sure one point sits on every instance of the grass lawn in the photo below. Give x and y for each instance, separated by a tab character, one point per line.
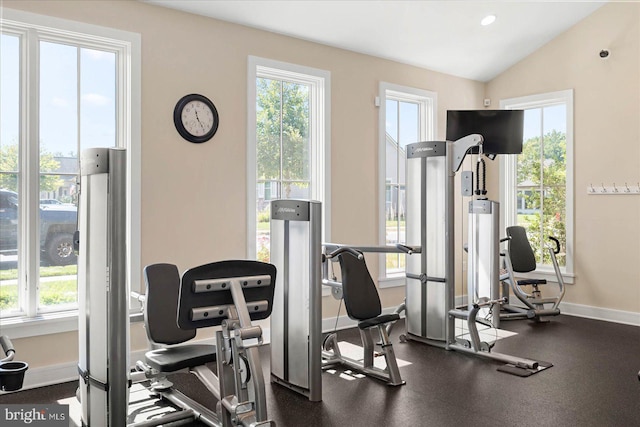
51	291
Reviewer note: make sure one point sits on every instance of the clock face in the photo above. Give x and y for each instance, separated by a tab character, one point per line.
196	118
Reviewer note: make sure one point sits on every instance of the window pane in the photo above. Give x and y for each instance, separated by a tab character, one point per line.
58	101
295	132
529	161
391	124
402	126
409	123
9	169
283	144
58	289
58	221
555	222
263	231
59	119
97	99
296	190
532	123
268	128
402	203
9	102
555	145
9	241
409	133
391	160
541	178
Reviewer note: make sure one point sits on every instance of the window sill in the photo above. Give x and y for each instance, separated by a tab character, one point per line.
47	324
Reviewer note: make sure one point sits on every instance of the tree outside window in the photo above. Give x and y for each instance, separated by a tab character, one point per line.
537	185
541	176
283	149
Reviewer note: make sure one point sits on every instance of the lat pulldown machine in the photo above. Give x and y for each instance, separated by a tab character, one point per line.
430	289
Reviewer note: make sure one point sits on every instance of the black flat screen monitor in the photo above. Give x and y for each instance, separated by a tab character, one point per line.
502	130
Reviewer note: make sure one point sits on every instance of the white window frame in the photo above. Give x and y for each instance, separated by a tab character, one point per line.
319	134
428	103
33	28
508	164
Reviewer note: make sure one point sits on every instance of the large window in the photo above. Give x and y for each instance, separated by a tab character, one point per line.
288	144
537	189
61	90
407	115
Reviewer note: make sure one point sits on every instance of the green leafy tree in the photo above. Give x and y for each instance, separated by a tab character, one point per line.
282	132
542	183
9	167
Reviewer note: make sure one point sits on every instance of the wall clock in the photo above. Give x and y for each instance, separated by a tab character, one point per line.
196	118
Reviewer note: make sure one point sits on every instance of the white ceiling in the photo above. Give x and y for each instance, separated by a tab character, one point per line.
444	36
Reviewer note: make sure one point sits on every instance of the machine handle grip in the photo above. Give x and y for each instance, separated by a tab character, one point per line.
342	249
557	242
141	298
7	347
406	249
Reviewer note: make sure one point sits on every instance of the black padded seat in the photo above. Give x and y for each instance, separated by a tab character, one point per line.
385	318
181	357
523	259
532	282
160	313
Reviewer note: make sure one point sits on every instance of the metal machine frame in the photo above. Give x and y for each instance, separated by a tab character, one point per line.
103	295
104	322
536	306
296	321
331	354
430	289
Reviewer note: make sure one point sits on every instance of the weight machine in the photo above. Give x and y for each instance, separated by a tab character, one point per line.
362	303
430	293
215	294
519	258
298	351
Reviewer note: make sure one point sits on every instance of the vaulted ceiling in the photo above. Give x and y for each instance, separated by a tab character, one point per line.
444	36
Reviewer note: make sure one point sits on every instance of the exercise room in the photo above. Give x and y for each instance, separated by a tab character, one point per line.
319	213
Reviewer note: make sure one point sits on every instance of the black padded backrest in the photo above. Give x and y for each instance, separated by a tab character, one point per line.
205	292
161	305
522	257
360	295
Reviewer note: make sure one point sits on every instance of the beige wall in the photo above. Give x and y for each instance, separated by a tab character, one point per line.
193	195
210	178
607	145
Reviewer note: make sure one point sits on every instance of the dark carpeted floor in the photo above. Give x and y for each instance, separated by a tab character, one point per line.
594	382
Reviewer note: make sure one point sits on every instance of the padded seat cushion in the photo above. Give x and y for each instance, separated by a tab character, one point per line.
180	357
532	282
385	318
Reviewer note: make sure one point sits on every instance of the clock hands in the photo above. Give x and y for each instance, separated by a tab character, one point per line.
198	119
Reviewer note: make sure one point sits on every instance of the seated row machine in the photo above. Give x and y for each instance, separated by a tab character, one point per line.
362	303
298	354
229	294
520	258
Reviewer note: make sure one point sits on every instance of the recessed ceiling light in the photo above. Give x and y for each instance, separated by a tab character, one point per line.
488	20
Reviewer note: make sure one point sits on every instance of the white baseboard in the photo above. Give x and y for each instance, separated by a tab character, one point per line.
56	374
49	375
597	313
